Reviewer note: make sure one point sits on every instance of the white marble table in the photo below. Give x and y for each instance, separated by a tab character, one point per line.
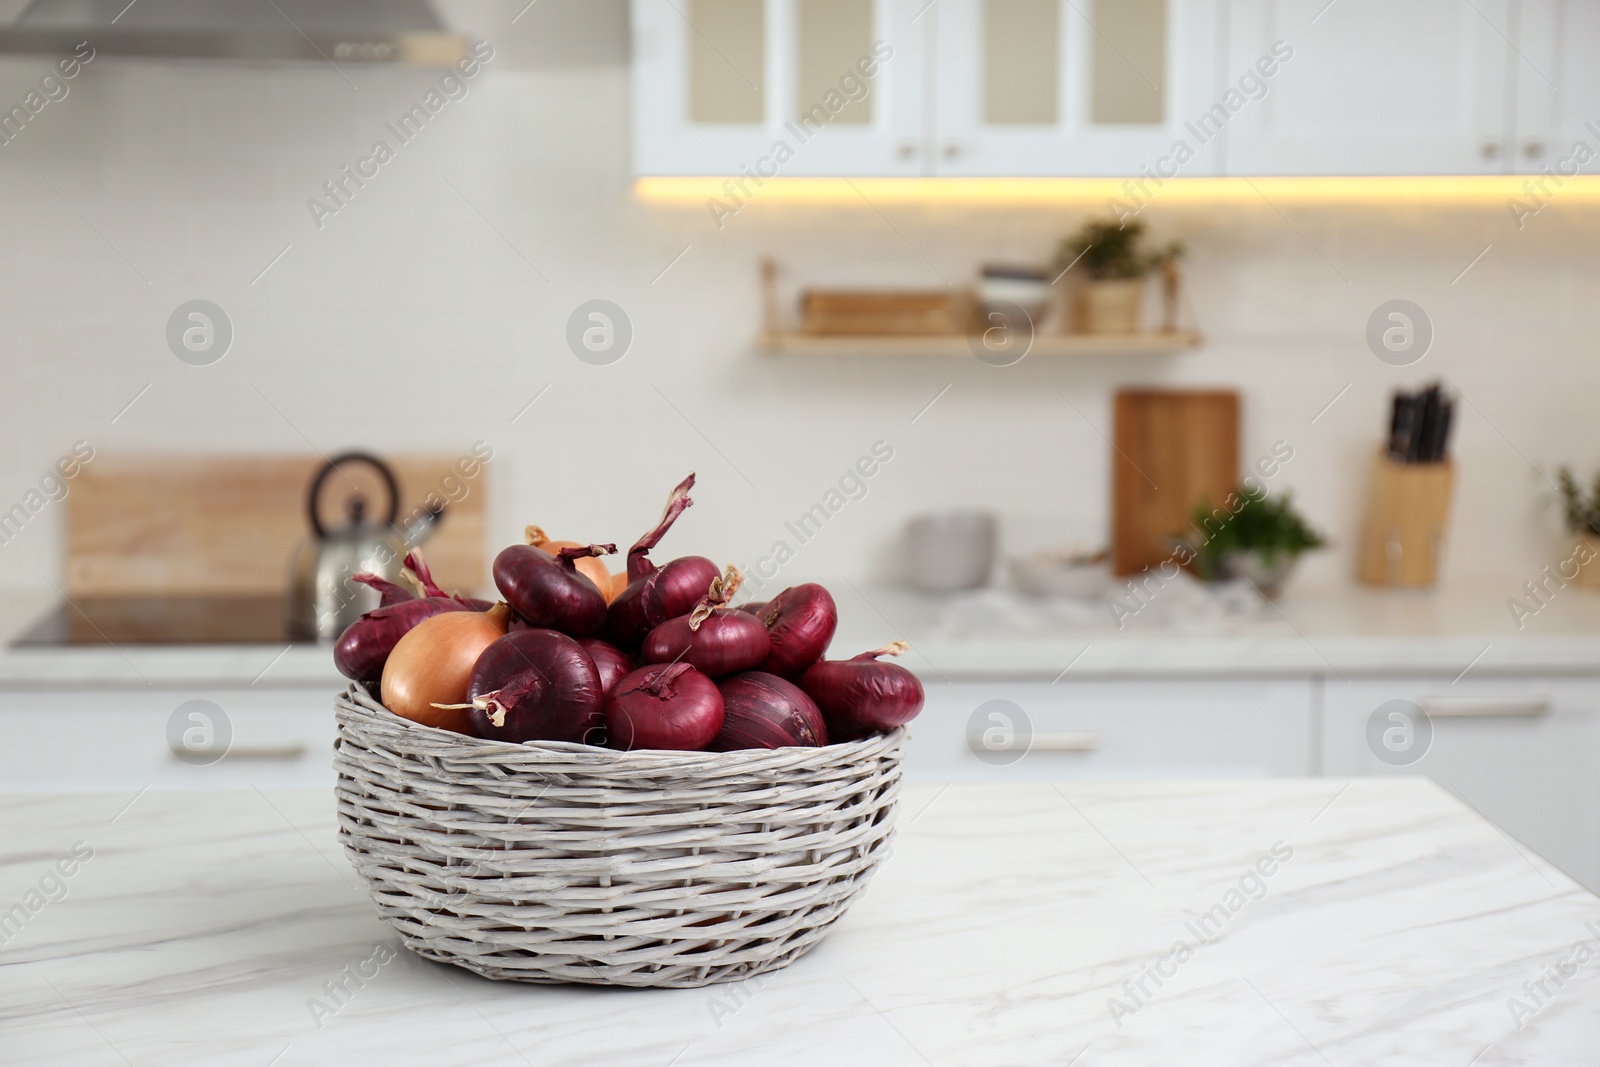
1010	926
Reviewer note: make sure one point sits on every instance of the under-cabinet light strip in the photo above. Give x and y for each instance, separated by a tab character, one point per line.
1531	189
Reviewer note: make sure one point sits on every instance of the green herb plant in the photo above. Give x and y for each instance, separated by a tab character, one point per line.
1582	512
1264	524
1109	250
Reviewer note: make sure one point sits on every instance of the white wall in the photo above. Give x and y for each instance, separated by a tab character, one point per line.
410	322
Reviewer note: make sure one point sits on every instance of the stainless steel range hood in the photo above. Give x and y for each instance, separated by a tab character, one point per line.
343	31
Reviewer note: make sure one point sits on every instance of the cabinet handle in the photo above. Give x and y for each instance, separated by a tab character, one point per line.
952	150
292	751
1484	707
1489	149
1533	148
909	150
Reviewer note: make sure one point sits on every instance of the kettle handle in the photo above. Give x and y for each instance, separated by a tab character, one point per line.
334	464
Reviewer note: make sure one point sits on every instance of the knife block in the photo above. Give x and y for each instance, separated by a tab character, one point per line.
1403	532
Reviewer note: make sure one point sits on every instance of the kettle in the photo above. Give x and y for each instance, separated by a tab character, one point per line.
323	600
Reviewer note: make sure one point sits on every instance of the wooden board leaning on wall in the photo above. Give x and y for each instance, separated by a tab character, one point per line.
148	524
1173	449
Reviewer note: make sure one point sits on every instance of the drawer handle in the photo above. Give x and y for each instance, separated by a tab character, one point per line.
1083	741
1484	707
292	751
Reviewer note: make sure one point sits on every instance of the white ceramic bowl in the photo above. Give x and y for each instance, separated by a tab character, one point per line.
1052	574
950	550
1031	296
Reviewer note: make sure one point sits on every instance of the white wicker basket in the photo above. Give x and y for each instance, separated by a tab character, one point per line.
557	862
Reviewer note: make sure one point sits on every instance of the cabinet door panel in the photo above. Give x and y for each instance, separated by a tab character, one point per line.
1524	752
705	103
1113	729
1558	89
1374	87
1074	87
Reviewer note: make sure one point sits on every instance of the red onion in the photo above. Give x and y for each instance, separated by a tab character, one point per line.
754	607
594	568
800	622
548	591
364	647
422	574
654	595
389	594
645	604
536	685
664	706
861	696
761	710
608	660
714	639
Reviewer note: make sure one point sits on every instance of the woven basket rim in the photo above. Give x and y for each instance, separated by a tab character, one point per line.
356	703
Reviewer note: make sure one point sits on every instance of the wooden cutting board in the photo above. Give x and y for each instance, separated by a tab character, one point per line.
1173	449
190	525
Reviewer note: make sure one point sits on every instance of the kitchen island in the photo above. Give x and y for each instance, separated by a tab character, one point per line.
1379	921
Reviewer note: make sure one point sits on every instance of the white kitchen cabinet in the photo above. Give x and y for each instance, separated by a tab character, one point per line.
1375	87
1558	89
1127	729
962	87
1074	87
1523	751
124	740
757	88
1137	88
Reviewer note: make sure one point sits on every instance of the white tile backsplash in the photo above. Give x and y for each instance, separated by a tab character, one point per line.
413	320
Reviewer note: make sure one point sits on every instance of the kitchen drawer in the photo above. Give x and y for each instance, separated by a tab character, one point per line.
1171	728
1523	751
124	740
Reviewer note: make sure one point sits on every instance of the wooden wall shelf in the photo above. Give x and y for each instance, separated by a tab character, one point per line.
1133	344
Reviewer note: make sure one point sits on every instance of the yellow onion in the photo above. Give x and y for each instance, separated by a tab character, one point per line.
432	665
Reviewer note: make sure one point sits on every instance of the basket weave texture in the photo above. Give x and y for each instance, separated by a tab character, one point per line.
559	862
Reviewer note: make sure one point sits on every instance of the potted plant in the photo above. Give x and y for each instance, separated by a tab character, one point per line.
1253	536
1583	522
1116	265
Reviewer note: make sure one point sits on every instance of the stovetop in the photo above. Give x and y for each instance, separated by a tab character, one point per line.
162	620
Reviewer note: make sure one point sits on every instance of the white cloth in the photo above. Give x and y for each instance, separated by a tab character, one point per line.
1182	603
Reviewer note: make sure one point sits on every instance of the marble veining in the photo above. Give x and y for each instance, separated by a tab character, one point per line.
1267	922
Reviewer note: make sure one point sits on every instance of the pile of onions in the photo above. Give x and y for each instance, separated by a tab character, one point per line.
671	706
657	658
860	696
429	673
713	638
